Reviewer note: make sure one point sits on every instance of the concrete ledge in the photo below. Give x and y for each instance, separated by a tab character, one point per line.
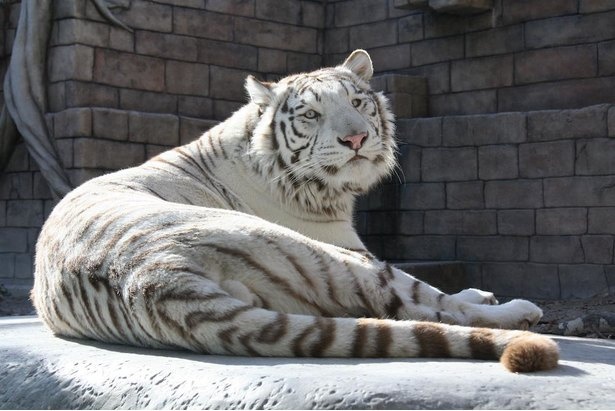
41	371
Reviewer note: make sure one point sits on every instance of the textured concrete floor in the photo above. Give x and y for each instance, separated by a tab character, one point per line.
38	370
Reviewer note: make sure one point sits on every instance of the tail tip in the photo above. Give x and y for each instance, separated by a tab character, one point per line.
530	353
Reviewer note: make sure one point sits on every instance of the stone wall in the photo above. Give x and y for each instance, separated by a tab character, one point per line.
526	200
522	55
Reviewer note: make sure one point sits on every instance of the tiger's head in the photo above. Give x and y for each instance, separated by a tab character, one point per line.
326	128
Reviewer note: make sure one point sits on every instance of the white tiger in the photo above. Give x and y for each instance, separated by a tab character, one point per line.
242	242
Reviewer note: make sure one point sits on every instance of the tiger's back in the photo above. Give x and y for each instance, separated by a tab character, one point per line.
242	243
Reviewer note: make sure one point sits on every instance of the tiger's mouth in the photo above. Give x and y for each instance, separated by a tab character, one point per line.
357	157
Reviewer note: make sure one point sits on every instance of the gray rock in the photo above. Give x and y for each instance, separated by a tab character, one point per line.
42	371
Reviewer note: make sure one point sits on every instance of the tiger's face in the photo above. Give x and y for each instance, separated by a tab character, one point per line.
326	126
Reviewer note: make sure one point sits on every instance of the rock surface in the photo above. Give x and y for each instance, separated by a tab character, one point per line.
41	371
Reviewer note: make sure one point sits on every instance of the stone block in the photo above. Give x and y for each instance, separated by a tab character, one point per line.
513	194
606	58
373	35
24	213
582	281
595	6
561	94
272	61
601	220
502	40
167	46
410	163
610	277
336	40
56	96
7	265
461	6
515	11
229	54
13	240
598	249
484	129
110	123
40	188
611	122
107	154
470	102
81	175
285	12
72	122
516	222
122	40
549	159
424	132
561	221
152	150
80	94
556	249
595	157
146	16
457	222
234	7
449	164
482	73
161	129
568	30
147	101
443	25
437	75
437	50
129	70
465	195
200	107
64	9
192	128
187	78
301	62
276	35
422	196
350	13
406	105
400	83
383	198
587	122
524	280
410	28
410	223
19	160
497	162
492	248
420	247
391	57
596	191
313	14
74	62
226	83
24	266
556	64
223	109
84	32
382	222
16	186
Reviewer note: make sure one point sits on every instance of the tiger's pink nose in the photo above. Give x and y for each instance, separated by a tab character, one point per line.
354	141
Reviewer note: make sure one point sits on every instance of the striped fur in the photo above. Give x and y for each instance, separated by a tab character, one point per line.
242	243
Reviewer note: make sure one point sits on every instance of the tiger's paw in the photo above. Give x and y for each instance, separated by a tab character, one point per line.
476	296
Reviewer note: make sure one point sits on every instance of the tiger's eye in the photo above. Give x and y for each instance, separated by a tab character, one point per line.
310	114
356	102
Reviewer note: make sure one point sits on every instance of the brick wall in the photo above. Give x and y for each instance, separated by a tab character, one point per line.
523	55
524	199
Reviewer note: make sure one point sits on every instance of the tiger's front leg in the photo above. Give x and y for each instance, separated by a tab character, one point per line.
408	298
419	297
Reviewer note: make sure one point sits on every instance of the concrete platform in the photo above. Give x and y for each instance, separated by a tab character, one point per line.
38	370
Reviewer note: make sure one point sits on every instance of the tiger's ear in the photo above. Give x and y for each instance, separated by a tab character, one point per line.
260	93
360	64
